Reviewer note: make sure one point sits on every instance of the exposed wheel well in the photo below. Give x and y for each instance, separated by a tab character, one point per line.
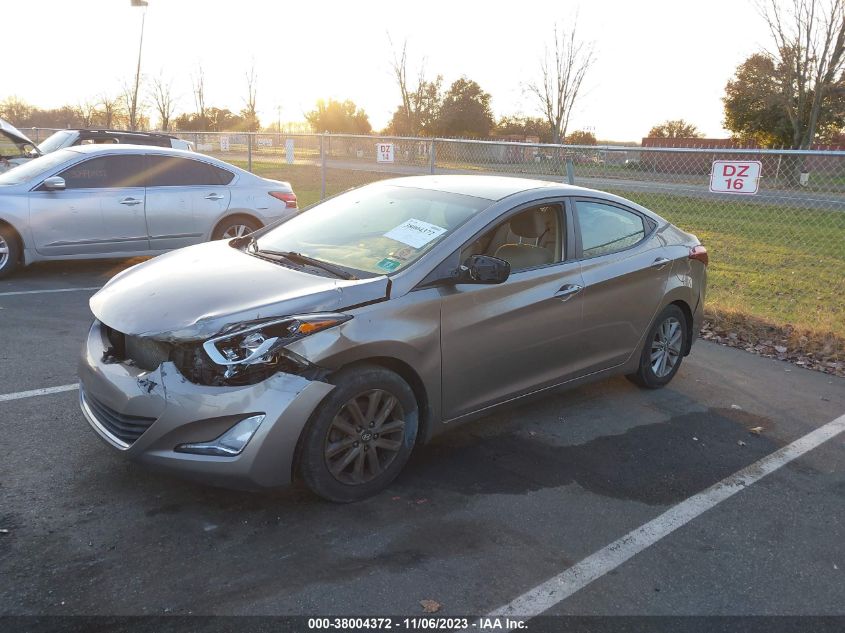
409	375
15	234
231	217
688	316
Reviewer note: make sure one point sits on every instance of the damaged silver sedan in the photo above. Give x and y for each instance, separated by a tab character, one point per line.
329	346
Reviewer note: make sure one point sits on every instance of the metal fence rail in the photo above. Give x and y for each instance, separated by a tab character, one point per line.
777	256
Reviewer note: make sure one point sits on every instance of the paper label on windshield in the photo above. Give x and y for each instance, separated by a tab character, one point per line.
415	233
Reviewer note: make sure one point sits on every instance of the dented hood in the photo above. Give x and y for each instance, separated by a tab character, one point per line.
195	292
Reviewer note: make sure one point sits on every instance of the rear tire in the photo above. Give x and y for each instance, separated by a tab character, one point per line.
663	350
235	226
10	251
361	436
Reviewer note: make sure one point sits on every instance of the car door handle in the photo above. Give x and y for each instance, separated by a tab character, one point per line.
130	202
659	263
214	196
568	291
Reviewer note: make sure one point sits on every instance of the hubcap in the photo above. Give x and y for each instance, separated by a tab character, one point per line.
4	252
666	347
236	230
365	437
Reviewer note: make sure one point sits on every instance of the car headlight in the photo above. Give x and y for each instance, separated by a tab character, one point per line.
259	342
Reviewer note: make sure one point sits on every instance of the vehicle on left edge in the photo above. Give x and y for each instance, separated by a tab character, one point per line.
15	147
112	201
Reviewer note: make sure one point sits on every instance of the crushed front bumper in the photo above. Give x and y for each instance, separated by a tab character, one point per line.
144	415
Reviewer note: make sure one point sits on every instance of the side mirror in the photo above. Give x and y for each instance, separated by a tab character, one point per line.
483	269
54	183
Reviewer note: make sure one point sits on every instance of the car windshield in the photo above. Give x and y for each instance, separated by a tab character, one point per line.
35	167
55	141
377	229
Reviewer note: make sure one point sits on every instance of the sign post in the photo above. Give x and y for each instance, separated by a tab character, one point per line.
735	176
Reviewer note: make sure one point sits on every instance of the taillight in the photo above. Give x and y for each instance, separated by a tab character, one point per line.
289	198
699	253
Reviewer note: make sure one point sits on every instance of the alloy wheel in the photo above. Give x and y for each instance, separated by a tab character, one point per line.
666	347
365	437
236	230
4	252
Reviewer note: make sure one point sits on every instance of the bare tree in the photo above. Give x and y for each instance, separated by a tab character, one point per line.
420	99
87	112
133	107
164	101
111	110
249	112
809	38
562	72
198	84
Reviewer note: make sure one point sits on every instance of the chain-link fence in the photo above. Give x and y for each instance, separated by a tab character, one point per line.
777	256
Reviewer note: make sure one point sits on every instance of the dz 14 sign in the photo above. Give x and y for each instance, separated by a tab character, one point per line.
384	152
735	176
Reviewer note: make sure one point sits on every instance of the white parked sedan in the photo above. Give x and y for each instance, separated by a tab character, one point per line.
97	201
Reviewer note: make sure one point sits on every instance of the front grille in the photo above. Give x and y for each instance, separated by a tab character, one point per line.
126	428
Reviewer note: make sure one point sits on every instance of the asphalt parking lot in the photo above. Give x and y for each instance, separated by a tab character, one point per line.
482	516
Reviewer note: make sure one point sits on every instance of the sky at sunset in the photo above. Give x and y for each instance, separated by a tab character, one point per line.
656	59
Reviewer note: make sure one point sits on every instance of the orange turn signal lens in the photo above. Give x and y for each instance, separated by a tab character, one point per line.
309	327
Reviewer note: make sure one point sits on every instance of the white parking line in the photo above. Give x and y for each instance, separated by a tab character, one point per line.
39	292
5	397
559	588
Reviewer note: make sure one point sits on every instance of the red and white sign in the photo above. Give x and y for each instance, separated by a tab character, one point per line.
384	152
735	176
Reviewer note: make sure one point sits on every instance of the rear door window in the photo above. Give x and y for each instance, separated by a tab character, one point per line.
606	228
119	170
174	171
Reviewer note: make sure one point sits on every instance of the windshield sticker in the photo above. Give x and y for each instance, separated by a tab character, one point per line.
415	233
389	264
403	254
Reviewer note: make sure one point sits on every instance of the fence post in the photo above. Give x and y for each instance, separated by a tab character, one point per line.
322	165
570	171
432	157
249	152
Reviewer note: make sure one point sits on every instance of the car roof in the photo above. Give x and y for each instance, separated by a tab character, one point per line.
122	148
491	188
109	132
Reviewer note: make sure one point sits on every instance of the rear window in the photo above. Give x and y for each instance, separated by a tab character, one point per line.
175	171
606	228
57	140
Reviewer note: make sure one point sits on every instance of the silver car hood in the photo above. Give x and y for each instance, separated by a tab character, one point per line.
195	292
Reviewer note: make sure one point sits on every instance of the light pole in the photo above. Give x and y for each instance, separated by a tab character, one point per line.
133	112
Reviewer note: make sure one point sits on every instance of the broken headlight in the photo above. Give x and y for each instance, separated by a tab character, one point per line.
261	343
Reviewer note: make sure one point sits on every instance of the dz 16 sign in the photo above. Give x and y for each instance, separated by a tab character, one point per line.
384	152
735	176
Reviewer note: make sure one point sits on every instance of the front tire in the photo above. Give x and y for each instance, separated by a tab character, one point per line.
10	251
361	436
663	350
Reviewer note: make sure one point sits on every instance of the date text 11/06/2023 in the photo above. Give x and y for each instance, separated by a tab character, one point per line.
417	623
